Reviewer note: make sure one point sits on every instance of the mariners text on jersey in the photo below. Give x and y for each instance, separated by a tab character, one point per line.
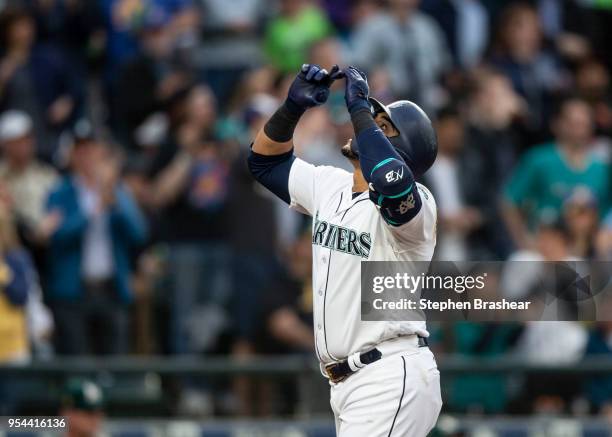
341	239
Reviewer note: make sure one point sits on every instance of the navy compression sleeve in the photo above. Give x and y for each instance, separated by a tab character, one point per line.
392	185
272	171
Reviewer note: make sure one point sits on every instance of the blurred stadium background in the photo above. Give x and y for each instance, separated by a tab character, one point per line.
149	287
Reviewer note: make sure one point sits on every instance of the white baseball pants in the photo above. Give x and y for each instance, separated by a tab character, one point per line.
396	396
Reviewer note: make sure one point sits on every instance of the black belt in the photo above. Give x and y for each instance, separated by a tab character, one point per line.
340	371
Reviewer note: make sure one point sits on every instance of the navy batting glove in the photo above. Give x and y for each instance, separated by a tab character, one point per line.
311	87
357	90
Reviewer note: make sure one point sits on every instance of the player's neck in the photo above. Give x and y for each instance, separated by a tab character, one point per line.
359	183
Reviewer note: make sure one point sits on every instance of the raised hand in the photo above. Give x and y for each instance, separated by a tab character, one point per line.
311	86
357	90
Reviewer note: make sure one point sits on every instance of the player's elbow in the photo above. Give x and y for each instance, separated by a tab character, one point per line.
395	192
399	210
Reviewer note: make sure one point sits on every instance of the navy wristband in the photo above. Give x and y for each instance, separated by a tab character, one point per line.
362	120
359	104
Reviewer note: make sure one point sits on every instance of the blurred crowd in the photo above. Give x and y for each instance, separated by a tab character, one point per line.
130	224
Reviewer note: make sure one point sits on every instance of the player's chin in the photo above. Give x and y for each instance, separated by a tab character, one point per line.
347	152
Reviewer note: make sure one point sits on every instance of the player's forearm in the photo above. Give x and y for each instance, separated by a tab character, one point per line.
271	155
392	185
263	145
380	163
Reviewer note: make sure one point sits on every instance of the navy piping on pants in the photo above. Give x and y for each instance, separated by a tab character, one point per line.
401	398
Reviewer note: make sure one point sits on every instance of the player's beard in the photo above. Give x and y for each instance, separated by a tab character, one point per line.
348	153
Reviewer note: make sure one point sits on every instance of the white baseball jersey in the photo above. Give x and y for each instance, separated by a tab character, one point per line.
346	231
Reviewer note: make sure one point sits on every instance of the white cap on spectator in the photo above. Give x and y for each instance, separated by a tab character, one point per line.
14	124
152	131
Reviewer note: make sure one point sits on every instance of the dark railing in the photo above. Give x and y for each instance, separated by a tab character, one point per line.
282	366
138	382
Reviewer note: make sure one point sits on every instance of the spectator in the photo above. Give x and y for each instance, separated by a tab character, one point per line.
28	180
39	319
581	215
317	140
409	45
23	322
36	79
562	23
465	24
285	313
591	20
330	129
339	12
556	338
149	81
380	85
191	189
74	25
16	282
254	83
535	73
89	251
603	240
254	254
284	325
82	403
548	174
232	46
289	36
593	85
552	343
327	52
123	19
362	10
488	156
258	94
457	220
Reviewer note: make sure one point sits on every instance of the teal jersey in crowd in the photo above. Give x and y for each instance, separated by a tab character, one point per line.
543	180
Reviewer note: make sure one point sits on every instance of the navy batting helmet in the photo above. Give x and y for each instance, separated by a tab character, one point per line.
416	142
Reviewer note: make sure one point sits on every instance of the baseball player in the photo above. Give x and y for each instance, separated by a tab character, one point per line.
384	379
